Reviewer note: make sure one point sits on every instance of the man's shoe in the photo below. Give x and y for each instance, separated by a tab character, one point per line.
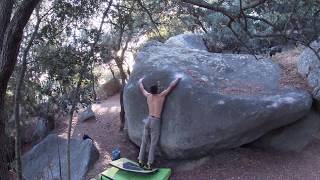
148	167
141	164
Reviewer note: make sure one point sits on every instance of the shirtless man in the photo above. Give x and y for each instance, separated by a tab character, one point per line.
155	102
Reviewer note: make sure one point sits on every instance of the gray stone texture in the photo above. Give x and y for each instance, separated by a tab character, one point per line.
86	114
41	129
222	101
309	66
42	162
293	137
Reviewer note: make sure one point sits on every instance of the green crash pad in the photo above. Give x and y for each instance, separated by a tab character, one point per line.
118	174
125	169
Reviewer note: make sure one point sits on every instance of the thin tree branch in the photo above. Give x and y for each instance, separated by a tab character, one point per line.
206	5
150	17
17	98
254	4
240	40
5	15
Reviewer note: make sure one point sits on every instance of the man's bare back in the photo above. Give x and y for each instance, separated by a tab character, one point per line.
155	105
152	128
156	101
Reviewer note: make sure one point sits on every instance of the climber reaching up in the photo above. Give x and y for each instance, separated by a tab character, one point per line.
155	101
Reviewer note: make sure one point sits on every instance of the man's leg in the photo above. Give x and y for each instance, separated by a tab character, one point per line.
145	139
155	135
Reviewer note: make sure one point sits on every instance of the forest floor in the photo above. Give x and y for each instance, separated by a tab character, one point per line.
238	163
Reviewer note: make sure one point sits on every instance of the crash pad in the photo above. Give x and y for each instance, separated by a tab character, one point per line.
114	173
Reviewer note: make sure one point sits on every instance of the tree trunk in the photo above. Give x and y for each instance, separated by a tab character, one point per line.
75	98
18	99
112	72
69	137
10	39
3	152
119	62
17	122
123	83
122	112
93	84
5	15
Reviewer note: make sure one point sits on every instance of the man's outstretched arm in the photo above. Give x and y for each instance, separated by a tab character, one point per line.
172	85
144	92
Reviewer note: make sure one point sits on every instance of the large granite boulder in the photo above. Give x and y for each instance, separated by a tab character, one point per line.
222	101
309	66
293	137
42	162
188	40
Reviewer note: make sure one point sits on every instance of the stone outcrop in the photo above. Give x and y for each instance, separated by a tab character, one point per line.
43	162
222	101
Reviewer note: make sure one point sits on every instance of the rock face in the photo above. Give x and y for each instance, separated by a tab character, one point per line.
222	101
42	162
41	129
188	40
293	137
309	66
32	129
110	88
86	114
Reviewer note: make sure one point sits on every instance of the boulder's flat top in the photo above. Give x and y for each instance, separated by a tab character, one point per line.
224	73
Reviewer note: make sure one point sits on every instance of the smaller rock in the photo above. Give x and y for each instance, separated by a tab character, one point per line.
274	50
86	114
188	40
309	67
47	159
293	137
41	129
108	89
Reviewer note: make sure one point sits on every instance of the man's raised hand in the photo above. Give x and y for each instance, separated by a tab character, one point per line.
140	80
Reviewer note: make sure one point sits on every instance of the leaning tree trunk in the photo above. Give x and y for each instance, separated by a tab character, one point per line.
10	39
111	70
122	112
94	93
3	138
5	14
18	98
119	62
123	83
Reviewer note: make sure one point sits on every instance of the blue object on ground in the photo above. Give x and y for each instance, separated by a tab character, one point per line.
116	154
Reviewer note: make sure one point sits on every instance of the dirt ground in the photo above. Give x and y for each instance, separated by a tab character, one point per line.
287	62
239	163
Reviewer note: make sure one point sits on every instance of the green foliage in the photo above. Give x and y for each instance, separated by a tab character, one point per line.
69	27
275	22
